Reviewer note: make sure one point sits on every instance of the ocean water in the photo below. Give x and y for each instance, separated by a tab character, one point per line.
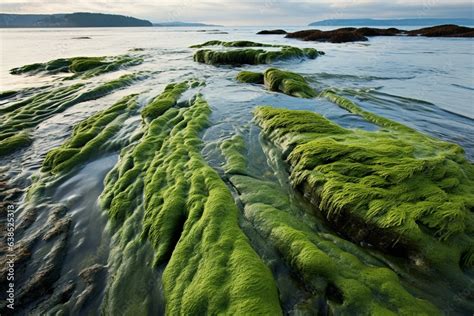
425	83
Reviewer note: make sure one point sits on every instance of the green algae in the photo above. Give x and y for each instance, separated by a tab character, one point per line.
250	77
253	56
190	218
350	106
274	79
84	67
164	101
288	82
13	143
232	149
90	136
412	190
26	114
7	94
326	263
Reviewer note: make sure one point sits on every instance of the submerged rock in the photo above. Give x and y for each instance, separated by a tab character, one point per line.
268	32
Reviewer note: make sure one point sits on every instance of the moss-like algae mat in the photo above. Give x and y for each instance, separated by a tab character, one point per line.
412	191
249	55
83	67
190	217
351	282
89	137
20	117
279	80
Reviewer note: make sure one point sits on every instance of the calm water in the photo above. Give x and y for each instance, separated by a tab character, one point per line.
424	83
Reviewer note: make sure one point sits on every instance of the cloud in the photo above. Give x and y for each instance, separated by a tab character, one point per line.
269	12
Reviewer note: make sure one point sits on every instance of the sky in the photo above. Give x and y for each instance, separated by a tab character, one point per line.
244	12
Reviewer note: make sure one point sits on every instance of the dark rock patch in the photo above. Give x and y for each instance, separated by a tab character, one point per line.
269	32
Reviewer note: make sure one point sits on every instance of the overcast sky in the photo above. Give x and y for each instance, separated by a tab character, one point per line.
264	12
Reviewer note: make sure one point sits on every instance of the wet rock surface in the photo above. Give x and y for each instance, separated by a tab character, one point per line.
351	34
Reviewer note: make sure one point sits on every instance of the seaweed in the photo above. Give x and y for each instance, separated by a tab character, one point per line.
89	137
84	67
327	264
26	114
7	94
235	161
253	56
13	143
212	269
250	77
398	187
287	82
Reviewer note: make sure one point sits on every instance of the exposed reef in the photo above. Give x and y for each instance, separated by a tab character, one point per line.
83	67
352	34
394	188
250	55
269	32
19	117
337	272
185	200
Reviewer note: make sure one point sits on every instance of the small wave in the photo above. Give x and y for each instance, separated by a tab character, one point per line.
462	87
325	75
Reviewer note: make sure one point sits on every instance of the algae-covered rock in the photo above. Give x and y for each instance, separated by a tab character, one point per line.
85	67
164	101
90	136
288	82
7	94
25	114
190	218
13	143
351	282
250	77
398	189
253	56
278	80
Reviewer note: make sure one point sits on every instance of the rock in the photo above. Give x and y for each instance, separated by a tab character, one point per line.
269	32
348	34
351	34
448	30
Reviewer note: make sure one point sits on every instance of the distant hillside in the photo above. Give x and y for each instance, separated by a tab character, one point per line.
392	22
70	20
177	23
